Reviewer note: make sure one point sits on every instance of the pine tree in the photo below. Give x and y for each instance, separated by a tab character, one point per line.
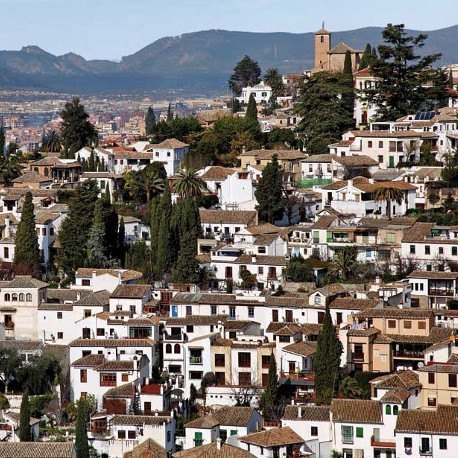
365	59
24	421
96	250
269	398
169	113
269	192
251	109
348	66
27	251
247	72
327	361
150	120
81	439
122	243
164	254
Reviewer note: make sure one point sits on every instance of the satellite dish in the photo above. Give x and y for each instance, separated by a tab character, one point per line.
420	365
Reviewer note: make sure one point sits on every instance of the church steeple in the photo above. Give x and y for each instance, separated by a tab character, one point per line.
322	46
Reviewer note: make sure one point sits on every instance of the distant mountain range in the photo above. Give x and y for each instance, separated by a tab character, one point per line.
198	62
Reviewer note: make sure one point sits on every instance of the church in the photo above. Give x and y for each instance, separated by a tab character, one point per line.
329	59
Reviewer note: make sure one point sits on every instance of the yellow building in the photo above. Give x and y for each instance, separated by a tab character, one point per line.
439	385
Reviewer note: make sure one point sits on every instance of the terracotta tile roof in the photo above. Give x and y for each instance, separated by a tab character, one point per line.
436	335
122	391
386	175
170	143
355	161
261	260
273	437
396	313
301	348
331	289
319	158
212	450
24	281
288	330
197	320
22	345
125	154
342	48
282	154
89	361
45	217
264	228
131	291
237	325
32	177
286	301
56	307
249	218
356	411
217	173
274	326
55	161
426	421
36	449
98	299
265	239
324	222
311	329
417	232
351	303
388	134
398	395
363	332
126	274
139	420
112	343
445	368
233	416
116	366
206	422
433	275
147	449
307	413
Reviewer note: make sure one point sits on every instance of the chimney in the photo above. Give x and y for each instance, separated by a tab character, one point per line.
299	412
146	380
119	277
243	149
7	227
377	280
78	295
253	258
218	443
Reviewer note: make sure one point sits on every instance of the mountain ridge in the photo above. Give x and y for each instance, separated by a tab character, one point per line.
195	61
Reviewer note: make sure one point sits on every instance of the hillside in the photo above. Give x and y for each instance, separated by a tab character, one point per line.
199	61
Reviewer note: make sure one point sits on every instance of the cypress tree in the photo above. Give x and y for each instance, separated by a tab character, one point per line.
91	162
96	250
154	226
251	109
269	192
27	251
81	440
327	361
169	113
24	421
348	67
269	398
365	59
150	120
122	243
164	255
2	139
450	82
187	269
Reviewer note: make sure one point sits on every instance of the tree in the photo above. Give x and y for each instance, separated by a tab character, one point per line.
387	193
9	168
24	419
165	247
251	109
96	249
351	389
187	268
273	79
343	263
269	398
247	72
169	113
269	192
366	57
188	184
81	439
433	199
325	107
242	140
10	363
76	129
348	66
406	81
121	245
51	142
147	183
139	257
150	120
2	140
249	280
27	252
327	361
299	271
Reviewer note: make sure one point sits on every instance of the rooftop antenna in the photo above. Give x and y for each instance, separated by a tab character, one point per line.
322	24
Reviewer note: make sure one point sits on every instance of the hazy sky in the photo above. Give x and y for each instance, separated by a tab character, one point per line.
114	28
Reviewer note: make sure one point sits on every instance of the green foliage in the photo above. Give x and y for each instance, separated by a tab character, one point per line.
40	376
169	113
273	78
89	406
39	403
348	67
81	439
96	250
350	389
10	363
269	399
280	139
165	249
249	280
188	184
24	421
51	142
407	81
4	403
343	263
247	72
9	168
144	184
121	245
187	269
326	104
150	120
76	129
75	228
251	109
269	192
366	58
27	252
299	271
179	128
388	194
138	257
327	361
2	139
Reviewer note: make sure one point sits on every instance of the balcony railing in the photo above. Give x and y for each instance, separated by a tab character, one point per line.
441	292
408	354
195	360
384	443
357	357
425	451
173	336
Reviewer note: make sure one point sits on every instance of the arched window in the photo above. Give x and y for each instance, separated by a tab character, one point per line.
176	348
28	297
14	297
168	348
388	409
395	410
46	171
7	297
21	297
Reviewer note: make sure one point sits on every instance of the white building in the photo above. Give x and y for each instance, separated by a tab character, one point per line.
262	93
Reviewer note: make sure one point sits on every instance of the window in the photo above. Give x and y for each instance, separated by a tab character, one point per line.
59	315
108	379
213	310
223	435
100	332
131	434
188	310
232	312
412	249
442	444
124	377
431	378
380	159
265	361
220	360
190	328
359	432
83	375
261	270
14	297
407	442
380	144
244	359
454	250
87	313
407	324
427	249
369	144
422	325
177	349
7	297
28	297
347	434
320	317
86	282
250	312
314	431
169	436
121	434
391	324
244	378
432	402
452	380
60	335
168	348
441	250
21	298
195	375
317	299
388	409
395	410
262	250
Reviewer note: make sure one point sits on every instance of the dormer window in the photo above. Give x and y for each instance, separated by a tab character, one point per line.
317	299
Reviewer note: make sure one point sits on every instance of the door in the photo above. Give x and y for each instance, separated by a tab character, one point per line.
292	367
391	161
228	272
147	408
425	444
289	316
86	333
275	316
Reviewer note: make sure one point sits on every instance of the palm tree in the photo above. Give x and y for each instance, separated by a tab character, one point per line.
51	142
387	193
189	184
343	263
273	78
150	183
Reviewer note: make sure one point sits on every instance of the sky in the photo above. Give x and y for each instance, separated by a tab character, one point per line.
110	29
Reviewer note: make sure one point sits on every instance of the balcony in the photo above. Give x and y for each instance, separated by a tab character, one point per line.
357	357
175	337
195	360
409	354
425	451
383	443
441	292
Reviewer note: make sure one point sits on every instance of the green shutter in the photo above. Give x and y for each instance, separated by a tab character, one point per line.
197	435
359	432
329	237
233	432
